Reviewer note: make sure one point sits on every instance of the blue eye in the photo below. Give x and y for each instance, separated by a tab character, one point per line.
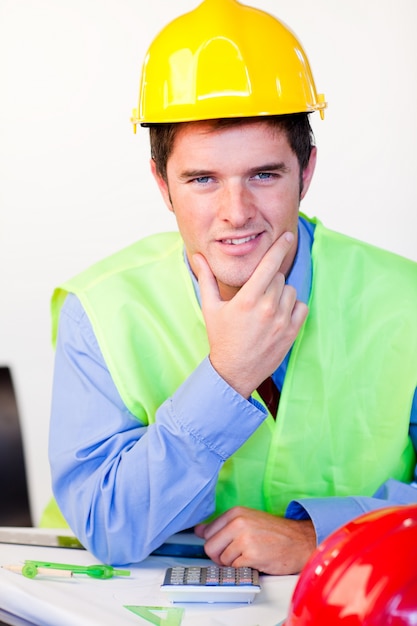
264	175
202	179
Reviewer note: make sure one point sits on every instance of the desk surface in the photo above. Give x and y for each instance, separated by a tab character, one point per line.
87	601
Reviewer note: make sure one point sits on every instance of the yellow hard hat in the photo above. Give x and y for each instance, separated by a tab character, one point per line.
225	59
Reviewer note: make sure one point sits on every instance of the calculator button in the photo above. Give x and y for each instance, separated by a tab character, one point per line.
211	584
228	576
244	576
212	575
193	575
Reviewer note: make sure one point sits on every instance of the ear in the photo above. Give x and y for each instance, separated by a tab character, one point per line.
307	175
162	185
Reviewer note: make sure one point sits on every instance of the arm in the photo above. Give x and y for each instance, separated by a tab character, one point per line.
327	514
277	545
280	546
122	486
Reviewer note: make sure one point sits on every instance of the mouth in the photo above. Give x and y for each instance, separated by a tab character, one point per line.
238	241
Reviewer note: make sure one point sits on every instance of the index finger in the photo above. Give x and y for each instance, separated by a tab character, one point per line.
270	264
209	289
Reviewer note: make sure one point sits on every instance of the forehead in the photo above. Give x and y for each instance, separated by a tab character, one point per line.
207	134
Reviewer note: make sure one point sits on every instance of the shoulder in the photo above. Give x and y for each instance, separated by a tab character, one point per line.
75	328
338	244
142	253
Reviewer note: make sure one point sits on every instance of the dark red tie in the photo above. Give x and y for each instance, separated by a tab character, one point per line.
270	395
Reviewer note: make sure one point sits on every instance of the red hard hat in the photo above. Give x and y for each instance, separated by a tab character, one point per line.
363	574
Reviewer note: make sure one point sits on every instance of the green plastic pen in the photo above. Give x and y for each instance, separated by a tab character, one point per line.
30	569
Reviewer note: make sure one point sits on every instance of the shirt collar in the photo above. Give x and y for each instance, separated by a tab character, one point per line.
300	276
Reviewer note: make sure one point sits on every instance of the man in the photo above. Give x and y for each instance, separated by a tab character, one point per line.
165	351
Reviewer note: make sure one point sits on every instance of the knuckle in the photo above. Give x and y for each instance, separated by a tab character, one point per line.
268	309
291	291
248	302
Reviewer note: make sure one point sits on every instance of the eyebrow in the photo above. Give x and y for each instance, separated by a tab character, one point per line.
270	167
265	167
195	174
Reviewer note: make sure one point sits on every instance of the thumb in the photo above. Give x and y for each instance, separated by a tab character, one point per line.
209	290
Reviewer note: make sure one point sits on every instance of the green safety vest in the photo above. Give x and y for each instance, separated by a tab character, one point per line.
344	411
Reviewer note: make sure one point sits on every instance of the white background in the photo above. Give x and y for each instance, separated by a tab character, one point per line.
75	182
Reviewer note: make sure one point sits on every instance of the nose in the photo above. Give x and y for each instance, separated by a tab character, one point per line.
237	205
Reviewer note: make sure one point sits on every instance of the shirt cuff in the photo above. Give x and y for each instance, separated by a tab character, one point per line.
328	514
213	412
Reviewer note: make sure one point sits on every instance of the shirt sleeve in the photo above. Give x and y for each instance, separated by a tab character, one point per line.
328	514
122	486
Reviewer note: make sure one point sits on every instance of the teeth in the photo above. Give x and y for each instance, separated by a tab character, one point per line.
237	242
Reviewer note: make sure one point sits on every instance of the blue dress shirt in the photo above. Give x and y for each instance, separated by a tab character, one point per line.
125	487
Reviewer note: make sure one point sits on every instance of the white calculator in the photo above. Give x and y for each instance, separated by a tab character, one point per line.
211	583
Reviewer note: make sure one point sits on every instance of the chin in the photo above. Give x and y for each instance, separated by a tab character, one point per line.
234	281
234	276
